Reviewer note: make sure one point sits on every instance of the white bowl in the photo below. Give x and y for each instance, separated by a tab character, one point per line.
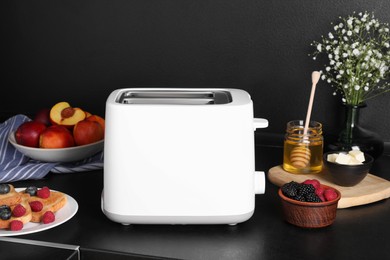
70	154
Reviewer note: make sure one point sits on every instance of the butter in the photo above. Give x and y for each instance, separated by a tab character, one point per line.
353	157
358	155
343	158
332	157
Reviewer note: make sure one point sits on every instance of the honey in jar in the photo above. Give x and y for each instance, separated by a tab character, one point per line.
303	152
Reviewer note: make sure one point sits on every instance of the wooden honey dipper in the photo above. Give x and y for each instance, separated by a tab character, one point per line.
300	155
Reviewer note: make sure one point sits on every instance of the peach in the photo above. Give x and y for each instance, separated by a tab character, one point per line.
63	114
28	133
43	116
87	131
56	136
98	119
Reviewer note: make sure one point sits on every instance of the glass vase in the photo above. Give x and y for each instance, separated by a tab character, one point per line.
354	136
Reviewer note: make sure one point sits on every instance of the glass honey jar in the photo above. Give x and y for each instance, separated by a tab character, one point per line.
303	152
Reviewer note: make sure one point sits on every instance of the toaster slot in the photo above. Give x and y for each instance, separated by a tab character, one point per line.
172	97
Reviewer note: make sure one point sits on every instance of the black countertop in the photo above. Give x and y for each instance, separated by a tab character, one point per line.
360	232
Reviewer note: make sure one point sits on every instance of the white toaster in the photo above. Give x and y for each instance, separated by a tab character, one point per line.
180	156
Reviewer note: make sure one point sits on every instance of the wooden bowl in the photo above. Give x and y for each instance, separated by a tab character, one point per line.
309	214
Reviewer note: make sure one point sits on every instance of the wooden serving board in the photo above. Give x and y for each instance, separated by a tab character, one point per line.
371	189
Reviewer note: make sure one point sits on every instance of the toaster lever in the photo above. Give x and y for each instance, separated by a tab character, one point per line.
259	182
260	123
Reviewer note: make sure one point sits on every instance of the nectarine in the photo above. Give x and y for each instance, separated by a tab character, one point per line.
98	119
56	136
43	116
28	133
87	131
63	114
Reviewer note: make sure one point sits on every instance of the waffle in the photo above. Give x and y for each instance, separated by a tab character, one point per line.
56	201
5	224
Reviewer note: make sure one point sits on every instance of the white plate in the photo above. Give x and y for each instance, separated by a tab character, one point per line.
63	215
70	154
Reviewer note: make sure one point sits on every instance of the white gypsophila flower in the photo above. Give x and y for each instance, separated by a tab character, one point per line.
356	52
344	100
314	58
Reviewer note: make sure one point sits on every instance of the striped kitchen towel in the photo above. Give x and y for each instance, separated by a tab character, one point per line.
15	166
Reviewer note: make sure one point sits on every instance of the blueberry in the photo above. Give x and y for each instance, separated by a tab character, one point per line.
5	212
32	190
4	188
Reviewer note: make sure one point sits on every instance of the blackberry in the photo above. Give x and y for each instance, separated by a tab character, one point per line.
299	197
305	189
290	189
4	188
312	197
5	212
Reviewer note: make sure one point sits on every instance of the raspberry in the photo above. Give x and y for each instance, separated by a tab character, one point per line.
18	211
313	182
48	217
43	193
16	225
320	191
36	206
330	194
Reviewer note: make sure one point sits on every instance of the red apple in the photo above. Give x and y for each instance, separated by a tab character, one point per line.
28	133
87	131
56	136
43	116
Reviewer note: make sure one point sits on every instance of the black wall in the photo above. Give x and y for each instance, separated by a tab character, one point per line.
80	51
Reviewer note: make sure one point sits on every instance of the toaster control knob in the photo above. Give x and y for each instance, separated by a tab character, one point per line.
260	123
259	182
